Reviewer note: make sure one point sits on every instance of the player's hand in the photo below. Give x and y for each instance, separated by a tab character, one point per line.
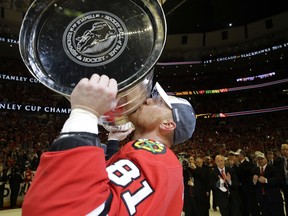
119	135
97	94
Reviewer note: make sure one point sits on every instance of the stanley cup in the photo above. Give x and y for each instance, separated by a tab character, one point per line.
63	41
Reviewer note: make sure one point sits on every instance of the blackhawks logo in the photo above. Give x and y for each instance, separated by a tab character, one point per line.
150	145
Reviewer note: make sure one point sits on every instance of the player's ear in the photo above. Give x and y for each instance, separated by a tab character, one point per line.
166	129
167	125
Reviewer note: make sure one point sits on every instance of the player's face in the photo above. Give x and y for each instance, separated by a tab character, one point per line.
149	114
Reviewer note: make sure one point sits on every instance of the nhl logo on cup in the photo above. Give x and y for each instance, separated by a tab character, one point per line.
95	38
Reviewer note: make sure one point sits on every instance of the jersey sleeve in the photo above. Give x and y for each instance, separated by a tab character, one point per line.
69	182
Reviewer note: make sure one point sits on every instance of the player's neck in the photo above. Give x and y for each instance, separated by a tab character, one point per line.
153	135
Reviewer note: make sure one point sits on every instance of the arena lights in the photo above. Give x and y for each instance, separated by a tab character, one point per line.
211	115
251	78
224	90
242	113
200	92
65	110
247	55
181	93
178	63
206	61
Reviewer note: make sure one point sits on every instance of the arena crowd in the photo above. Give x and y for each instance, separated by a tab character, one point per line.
26	135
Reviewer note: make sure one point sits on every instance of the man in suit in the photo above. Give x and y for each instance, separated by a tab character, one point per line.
232	161
270	157
266	180
225	183
15	179
281	165
3	180
208	163
202	186
246	189
191	207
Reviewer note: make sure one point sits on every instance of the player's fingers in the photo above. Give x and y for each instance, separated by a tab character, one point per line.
113	84
83	81
130	130
104	81
81	84
95	78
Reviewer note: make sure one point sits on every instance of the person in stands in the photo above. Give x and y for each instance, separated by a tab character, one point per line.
267	183
225	182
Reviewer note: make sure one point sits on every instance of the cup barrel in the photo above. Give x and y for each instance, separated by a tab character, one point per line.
128	101
122	127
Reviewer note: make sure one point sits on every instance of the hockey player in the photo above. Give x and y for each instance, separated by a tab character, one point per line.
143	178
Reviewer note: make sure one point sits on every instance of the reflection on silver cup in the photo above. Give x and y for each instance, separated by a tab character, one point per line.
63	41
128	102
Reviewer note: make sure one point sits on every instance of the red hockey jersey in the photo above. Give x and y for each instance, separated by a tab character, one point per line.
143	178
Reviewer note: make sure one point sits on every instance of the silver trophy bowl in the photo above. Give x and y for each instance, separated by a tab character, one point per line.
63	41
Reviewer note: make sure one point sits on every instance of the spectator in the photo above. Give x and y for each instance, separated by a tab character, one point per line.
225	183
28	177
246	191
15	179
270	157
190	207
281	165
202	187
3	180
267	183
